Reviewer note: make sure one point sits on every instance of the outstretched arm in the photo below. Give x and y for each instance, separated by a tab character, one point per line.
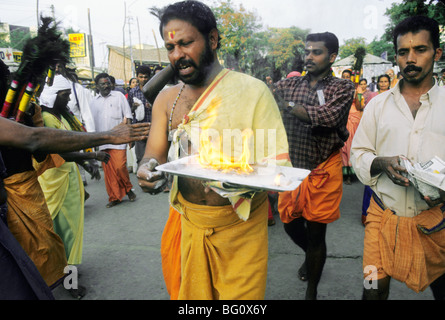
58	141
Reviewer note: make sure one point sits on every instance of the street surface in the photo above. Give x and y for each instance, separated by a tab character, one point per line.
121	253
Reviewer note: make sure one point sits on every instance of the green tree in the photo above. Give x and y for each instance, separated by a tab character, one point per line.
17	39
398	12
239	31
286	50
350	47
377	47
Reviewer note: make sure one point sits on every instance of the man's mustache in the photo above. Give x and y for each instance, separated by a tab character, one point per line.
412	68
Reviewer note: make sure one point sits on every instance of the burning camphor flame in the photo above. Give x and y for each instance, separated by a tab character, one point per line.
210	155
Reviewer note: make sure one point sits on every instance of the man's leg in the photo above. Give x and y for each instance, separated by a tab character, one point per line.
140	150
381	293
315	256
438	288
296	229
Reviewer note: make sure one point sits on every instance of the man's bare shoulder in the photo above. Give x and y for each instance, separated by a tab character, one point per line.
171	90
165	99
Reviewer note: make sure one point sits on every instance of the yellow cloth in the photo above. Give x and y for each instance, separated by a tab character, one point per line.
222	256
398	248
30	222
64	194
236	101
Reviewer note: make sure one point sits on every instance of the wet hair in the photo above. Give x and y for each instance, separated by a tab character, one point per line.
415	24
330	40
100	76
194	12
143	70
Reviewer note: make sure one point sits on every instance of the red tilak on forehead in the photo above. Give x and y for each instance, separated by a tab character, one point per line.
171	35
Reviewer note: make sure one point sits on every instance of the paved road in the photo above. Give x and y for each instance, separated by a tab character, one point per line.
121	258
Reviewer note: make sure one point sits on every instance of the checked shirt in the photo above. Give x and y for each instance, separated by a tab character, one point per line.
328	109
137	92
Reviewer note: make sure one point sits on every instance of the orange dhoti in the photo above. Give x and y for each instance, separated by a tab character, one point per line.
411	250
318	197
117	178
171	253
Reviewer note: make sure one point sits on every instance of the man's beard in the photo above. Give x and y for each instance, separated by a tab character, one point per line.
200	73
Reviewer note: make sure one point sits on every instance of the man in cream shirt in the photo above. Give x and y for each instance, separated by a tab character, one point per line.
108	109
408	120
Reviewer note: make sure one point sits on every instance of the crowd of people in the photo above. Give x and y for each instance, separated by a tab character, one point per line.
215	242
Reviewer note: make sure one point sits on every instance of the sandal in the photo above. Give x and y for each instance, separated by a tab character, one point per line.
112	203
131	195
302	272
78	293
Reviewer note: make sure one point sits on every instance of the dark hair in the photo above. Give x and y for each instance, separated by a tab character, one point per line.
194	12
330	40
158	68
383	76
100	76
415	24
347	71
363	79
143	70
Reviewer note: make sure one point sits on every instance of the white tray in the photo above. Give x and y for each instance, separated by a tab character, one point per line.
262	178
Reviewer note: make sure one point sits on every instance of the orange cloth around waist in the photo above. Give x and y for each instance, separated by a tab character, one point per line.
171	253
318	197
222	256
395	246
30	222
117	178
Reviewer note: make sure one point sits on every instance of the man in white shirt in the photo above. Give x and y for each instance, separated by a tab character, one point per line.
404	234
110	108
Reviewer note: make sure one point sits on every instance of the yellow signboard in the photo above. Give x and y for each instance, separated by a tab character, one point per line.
17	56
77	45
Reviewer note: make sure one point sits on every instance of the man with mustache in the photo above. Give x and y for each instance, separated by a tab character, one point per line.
213	246
315	111
404	230
109	108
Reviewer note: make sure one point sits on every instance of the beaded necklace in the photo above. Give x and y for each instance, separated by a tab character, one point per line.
173	109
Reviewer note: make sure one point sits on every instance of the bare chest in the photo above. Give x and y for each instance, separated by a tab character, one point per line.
413	103
181	106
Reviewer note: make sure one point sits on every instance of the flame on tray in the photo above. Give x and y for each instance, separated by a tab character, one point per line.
210	155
